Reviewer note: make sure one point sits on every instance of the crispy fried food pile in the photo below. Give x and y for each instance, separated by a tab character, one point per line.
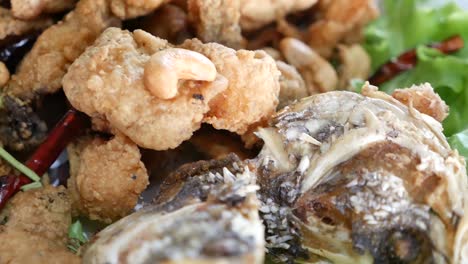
35	229
158	95
107	177
362	178
207	213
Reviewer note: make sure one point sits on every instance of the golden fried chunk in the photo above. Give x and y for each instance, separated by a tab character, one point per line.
44	212
4	74
126	9
44	66
107	178
21	247
30	9
340	18
354	63
424	99
255	14
10	25
217	21
292	85
132	82
253	88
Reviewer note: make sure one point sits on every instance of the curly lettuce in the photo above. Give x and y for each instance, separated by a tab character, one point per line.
408	24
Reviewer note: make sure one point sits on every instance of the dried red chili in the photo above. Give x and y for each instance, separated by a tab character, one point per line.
408	60
68	128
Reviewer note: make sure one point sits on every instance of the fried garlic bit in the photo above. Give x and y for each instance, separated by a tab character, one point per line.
107	177
340	20
10	25
42	69
255	14
424	99
217	21
252	94
116	80
318	73
30	9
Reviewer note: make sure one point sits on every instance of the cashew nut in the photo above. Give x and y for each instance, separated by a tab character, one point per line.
165	68
318	73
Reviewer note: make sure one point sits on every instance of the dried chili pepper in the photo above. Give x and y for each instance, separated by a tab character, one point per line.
72	125
408	60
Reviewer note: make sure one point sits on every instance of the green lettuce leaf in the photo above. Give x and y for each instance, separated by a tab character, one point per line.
410	24
459	141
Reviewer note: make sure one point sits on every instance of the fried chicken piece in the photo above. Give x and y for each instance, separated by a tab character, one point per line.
9	25
354	63
43	212
340	18
424	99
252	94
127	9
217	21
4	74
107	177
255	14
292	86
169	22
30	9
21	247
319	75
42	69
108	82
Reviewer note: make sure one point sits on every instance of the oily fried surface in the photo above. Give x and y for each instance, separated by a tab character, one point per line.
107	177
217	21
107	82
292	85
30	9
126	9
21	247
424	99
255	14
9	25
45	212
57	47
253	88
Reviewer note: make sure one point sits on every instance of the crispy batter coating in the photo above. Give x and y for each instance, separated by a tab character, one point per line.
10	25
44	212
127	9
255	14
354	63
340	19
253	88
107	82
44	66
4	74
30	9
424	99
292	86
107	177
20	247
217	21
169	22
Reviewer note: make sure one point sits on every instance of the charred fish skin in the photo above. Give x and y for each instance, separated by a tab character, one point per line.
218	224
360	178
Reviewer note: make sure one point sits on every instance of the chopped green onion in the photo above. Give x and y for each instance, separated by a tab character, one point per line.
33	185
18	165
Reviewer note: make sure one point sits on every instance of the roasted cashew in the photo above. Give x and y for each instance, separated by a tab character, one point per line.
165	68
